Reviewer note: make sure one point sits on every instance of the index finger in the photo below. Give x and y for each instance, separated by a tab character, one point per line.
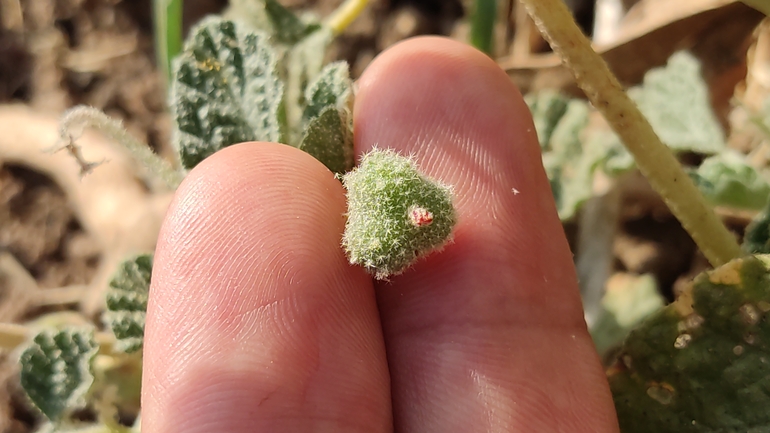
489	334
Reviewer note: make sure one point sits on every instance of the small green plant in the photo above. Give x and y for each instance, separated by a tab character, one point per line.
261	78
127	302
57	372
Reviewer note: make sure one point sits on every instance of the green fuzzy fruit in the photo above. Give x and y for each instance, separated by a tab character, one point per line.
395	214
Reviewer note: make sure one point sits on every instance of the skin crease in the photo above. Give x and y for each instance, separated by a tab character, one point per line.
256	322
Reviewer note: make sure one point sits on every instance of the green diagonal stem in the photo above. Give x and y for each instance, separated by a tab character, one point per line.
167	17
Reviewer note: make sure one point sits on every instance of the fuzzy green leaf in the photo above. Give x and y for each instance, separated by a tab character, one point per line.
570	166
623	308
757	238
269	16
547	109
727	180
127	302
675	99
288	28
56	371
302	64
226	90
395	214
332	87
701	364
328	132
329	138
572	153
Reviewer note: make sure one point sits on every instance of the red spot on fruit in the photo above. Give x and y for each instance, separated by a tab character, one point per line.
420	217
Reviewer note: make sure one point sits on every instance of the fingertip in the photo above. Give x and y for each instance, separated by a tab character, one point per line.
468	125
488	321
255	319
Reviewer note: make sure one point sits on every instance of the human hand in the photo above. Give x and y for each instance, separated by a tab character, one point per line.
256	321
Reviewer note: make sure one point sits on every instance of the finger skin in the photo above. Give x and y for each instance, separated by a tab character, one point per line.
487	335
255	321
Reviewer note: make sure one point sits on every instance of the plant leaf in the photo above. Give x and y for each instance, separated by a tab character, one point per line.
757	238
675	99
127	302
727	180
302	64
547	108
570	166
56	370
701	363
395	214
226	90
628	301
328	133
332	87
287	27
329	138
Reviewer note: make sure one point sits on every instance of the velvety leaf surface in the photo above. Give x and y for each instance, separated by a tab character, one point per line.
301	65
225	90
624	306
547	109
288	28
329	139
127	302
675	100
56	370
702	364
332	87
727	180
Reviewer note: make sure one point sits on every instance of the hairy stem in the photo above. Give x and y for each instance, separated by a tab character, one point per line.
77	118
654	159
341	18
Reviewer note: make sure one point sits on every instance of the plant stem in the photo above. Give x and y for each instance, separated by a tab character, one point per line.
483	24
167	18
82	116
654	159
341	18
